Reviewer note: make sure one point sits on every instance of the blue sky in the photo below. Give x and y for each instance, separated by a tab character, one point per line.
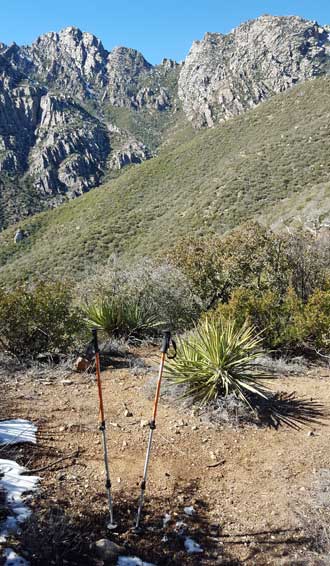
157	29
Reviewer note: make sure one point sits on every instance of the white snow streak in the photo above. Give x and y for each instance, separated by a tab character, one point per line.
190	511
132	561
191	546
12	559
16	431
166	520
14	486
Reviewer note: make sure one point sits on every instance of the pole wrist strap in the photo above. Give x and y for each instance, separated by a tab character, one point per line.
166	343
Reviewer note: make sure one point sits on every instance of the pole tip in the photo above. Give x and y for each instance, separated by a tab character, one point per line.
137	530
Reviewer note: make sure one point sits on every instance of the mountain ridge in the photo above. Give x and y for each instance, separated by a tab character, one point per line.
271	163
73	115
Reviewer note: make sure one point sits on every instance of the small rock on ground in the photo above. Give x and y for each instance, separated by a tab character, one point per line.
107	550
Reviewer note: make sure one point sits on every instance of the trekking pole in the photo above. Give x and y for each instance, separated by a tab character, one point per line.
167	340
111	524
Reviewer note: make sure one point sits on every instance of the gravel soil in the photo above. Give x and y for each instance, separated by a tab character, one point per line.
259	496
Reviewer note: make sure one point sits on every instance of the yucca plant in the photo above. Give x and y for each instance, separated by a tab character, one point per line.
120	318
219	358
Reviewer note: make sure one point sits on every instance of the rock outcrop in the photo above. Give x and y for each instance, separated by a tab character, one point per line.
57	139
132	153
224	75
71	148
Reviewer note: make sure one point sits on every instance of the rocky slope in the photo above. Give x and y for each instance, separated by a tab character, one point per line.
72	113
271	163
58	137
224	75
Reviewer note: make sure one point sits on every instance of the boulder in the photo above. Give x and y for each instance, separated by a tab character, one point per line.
107	550
81	364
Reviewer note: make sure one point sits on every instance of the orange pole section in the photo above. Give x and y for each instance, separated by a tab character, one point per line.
162	360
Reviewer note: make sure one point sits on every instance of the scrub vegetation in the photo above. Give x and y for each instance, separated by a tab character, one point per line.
272	162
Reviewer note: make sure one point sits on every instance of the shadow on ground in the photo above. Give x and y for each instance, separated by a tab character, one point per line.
270	546
288	409
273	411
58	533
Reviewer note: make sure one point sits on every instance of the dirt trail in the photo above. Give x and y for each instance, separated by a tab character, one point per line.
251	487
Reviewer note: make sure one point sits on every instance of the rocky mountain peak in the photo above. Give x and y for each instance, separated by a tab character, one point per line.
169	63
47	136
127	60
71	30
69	59
77	62
74	36
224	75
12	54
9	75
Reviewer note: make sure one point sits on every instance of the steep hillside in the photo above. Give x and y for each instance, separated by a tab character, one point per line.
275	155
73	115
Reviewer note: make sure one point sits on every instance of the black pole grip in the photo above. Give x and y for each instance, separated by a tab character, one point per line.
95	341
166	342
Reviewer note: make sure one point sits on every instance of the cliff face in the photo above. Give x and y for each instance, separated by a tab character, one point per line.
19	105
48	138
224	75
58	130
72	112
70	149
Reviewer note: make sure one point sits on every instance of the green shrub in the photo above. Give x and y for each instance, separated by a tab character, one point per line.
217	359
39	319
160	292
201	260
255	258
286	323
279	319
121	318
317	321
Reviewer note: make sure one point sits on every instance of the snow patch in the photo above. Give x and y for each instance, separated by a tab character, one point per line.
14	486
180	527
190	511
132	561
166	520
13	559
191	546
16	431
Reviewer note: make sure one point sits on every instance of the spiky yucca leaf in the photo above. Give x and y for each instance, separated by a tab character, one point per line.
218	359
120	318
